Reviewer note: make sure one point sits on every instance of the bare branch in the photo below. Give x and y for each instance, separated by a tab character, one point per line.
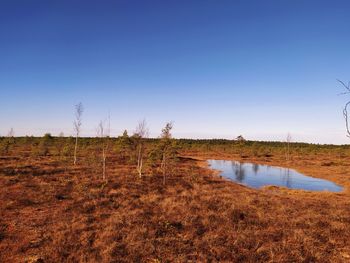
347	87
141	129
345	109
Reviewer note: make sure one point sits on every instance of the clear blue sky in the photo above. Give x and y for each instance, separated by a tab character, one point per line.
216	68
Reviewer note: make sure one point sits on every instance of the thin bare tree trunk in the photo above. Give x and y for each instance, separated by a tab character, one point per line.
139	161
139	168
164	167
104	147
140	133
166	144
104	164
75	150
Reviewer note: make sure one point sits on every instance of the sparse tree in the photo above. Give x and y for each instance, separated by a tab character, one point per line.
11	136
125	133
240	141
11	133
77	125
44	145
141	132
103	134
166	148
124	145
240	138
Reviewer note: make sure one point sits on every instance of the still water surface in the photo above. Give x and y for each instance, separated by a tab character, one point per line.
258	175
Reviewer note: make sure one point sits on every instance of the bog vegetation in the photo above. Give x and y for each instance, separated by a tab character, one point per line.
148	152
131	198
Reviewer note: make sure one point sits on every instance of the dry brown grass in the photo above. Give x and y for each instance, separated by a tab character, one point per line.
51	211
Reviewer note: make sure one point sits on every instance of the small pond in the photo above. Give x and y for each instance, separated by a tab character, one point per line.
258	175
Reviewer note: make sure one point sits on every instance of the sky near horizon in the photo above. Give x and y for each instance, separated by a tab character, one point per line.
217	69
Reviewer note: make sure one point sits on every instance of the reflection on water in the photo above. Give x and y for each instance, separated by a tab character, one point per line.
256	176
238	170
286	178
255	168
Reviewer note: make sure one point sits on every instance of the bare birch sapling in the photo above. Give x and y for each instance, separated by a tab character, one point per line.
141	132
11	133
77	125
104	135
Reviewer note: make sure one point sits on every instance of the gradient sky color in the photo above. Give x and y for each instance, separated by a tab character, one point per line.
216	68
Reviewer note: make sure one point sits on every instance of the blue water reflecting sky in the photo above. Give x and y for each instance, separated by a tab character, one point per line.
256	176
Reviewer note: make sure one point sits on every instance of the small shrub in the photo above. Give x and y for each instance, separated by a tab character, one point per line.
42	148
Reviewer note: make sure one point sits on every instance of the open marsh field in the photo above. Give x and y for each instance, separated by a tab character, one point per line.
53	211
174	131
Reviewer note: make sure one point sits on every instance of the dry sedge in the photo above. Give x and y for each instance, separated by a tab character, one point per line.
54	211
